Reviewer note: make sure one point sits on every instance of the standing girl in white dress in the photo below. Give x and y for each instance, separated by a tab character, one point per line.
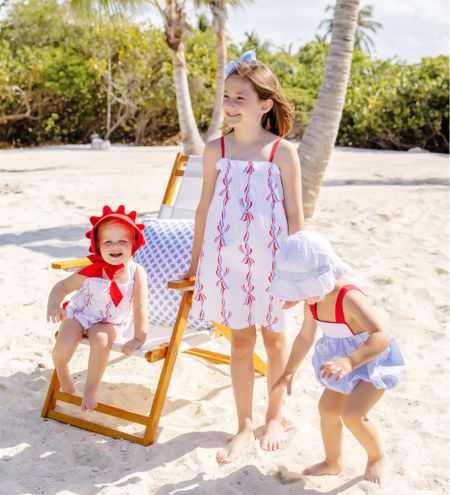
250	202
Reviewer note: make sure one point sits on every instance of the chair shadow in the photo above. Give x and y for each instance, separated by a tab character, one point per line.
117	394
249	479
27	437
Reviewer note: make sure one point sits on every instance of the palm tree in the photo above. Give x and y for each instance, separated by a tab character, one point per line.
365	23
176	30
220	15
320	134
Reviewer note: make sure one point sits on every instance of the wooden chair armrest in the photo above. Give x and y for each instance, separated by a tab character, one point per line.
183	284
68	264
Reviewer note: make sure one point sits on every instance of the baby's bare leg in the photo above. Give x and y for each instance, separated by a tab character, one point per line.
277	356
101	338
69	336
331	405
242	377
363	397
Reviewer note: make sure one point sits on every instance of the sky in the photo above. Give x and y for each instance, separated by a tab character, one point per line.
412	29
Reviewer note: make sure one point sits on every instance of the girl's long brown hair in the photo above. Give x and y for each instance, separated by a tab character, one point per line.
280	117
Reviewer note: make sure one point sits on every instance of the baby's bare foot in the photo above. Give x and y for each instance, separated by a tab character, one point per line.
322	468
65	380
273	435
88	403
239	444
374	471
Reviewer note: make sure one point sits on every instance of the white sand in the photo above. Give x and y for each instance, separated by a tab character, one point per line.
387	215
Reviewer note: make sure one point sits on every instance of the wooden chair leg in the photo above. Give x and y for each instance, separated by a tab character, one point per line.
259	365
167	370
50	400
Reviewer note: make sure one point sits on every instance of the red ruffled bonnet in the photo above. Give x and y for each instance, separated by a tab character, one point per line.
98	263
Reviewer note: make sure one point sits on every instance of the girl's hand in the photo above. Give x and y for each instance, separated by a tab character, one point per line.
129	347
190	274
55	313
338	369
285	380
289	304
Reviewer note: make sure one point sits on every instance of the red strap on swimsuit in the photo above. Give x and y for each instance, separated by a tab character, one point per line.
222	145
313	310
339	300
274	148
339	311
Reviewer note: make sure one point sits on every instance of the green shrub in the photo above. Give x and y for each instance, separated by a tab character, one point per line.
54	80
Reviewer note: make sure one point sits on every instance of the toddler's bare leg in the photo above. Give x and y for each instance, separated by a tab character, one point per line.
363	397
242	378
101	338
277	356
69	336
331	405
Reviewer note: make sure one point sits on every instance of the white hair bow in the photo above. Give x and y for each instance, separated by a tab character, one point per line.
249	56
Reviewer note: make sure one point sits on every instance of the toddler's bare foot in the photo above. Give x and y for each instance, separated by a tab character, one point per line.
374	470
65	380
273	435
88	403
323	468
239	444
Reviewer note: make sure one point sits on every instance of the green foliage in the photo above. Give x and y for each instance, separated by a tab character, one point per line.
396	106
202	65
54	84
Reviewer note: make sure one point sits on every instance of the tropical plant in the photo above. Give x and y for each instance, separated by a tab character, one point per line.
365	24
176	30
55	83
320	134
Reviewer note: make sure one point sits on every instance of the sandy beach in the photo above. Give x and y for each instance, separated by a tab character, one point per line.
386	214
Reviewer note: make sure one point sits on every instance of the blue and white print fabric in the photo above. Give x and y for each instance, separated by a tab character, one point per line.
165	256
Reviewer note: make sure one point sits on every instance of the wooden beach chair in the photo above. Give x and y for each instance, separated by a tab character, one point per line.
163	343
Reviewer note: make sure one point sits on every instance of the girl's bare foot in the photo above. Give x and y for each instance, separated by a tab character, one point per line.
241	442
323	468
88	403
273	435
65	380
374	471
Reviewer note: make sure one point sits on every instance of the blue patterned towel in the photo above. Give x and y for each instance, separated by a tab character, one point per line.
165	256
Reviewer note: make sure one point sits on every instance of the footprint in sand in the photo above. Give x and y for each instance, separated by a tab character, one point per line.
383	216
382	280
444	308
441	271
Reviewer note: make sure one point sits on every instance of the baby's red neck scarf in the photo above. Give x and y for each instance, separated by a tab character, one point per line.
96	270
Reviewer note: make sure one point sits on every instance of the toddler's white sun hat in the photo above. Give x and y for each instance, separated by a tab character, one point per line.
307	266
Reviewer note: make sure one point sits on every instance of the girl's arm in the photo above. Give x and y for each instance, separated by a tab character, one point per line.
290	168
300	348
140	312
210	173
360	317
55	313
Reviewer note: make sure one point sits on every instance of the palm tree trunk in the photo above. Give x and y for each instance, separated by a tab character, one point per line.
190	136
320	135
176	30
219	11
108	94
